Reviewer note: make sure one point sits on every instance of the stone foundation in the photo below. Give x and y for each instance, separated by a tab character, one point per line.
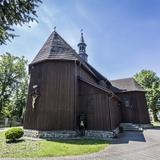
105	135
50	134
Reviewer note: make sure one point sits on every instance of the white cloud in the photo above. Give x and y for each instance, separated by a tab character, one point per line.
26	27
51	16
48	16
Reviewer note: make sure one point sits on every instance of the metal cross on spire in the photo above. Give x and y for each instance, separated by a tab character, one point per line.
81	31
54	28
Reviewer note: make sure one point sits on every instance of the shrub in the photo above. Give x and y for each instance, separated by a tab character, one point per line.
13	134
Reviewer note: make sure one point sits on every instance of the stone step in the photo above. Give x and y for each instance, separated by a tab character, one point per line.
130	127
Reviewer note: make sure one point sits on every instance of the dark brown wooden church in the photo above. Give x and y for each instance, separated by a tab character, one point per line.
66	92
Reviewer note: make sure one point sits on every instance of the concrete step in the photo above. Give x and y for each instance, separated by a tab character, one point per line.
130	127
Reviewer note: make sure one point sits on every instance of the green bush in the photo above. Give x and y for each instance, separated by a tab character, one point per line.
13	134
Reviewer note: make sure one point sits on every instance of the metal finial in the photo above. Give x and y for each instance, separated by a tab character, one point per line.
54	28
81	31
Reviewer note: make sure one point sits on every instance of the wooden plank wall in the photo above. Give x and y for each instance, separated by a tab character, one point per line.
55	108
142	108
128	112
62	99
102	110
84	74
137	111
94	104
115	110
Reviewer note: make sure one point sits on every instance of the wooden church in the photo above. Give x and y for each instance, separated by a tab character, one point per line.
67	93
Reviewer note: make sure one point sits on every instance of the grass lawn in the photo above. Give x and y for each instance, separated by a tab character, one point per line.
44	148
156	124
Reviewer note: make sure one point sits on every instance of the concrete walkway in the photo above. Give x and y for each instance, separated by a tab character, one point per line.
128	146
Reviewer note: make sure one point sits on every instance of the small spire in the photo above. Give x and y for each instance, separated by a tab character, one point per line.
82	39
82	47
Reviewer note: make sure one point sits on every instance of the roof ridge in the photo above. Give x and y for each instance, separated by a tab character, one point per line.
122	79
64	40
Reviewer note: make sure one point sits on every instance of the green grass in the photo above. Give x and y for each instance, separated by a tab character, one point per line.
44	148
156	124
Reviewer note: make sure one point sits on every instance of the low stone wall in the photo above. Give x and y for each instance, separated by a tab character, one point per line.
105	135
50	134
99	134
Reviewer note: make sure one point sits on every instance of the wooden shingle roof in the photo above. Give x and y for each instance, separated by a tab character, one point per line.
56	48
125	85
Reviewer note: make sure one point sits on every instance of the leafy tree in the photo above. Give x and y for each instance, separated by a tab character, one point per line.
15	12
8	112
151	82
20	97
13	85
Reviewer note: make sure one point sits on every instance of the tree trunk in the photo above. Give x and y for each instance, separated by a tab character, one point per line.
154	111
10	124
6	122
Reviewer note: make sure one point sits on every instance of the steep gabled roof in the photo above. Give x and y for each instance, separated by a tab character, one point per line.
56	48
125	85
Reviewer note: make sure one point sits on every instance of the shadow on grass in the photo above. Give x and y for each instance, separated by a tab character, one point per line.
81	141
15	141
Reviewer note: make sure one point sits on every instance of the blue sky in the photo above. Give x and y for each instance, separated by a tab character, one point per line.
122	36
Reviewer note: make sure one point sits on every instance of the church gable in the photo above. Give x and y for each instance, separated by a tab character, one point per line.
55	48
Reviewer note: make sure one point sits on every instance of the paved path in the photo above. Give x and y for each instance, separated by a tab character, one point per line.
129	146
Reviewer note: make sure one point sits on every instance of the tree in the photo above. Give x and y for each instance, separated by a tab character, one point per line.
15	12
13	85
20	97
151	83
